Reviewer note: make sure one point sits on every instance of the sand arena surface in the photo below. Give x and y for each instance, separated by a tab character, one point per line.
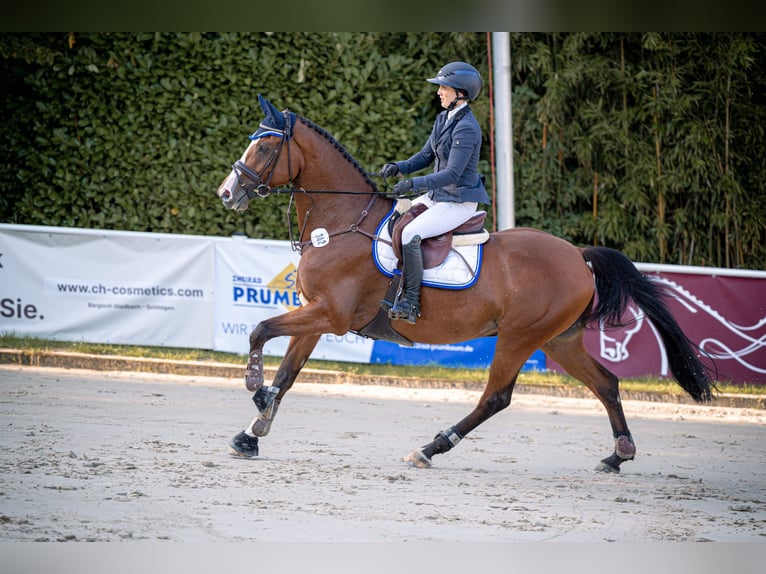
110	456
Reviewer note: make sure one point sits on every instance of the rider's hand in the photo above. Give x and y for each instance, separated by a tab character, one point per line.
403	187
389	170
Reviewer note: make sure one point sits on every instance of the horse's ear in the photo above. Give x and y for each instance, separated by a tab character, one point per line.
273	118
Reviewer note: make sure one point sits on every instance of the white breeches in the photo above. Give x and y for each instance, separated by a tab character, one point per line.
439	218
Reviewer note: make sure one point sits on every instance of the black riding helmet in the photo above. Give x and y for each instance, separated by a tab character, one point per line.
461	76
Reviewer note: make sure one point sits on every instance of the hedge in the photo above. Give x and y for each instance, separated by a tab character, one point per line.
650	143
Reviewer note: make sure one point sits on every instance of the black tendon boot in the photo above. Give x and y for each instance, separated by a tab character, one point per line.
407	305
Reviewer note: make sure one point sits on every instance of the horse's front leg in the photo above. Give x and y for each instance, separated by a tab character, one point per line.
268	398
305	325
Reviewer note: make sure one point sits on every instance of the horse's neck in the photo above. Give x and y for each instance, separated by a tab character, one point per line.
326	168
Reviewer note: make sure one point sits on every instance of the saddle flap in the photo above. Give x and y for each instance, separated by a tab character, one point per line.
435	249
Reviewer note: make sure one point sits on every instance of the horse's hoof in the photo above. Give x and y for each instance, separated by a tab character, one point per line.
417	459
606	467
244	446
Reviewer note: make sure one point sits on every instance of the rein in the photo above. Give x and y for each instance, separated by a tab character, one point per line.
387	194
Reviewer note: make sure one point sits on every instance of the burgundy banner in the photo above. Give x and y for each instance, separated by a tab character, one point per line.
724	315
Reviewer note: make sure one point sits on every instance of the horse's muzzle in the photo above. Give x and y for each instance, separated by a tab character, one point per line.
237	203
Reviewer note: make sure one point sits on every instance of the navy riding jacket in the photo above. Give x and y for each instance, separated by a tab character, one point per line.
454	151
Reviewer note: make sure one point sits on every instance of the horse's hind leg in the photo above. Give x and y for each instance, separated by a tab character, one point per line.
447	439
496	397
268	398
568	351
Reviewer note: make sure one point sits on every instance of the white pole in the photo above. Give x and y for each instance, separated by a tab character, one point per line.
501	67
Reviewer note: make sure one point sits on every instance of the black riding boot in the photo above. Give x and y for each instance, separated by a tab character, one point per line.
407	305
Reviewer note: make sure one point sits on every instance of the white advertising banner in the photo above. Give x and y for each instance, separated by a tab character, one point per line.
106	286
255	280
201	292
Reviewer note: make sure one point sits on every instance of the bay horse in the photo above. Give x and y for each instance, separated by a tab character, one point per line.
534	291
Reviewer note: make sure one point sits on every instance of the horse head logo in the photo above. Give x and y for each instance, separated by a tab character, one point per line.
614	349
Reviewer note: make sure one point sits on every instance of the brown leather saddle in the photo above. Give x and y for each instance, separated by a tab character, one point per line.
435	249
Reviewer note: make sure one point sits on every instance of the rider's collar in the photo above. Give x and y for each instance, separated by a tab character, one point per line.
456	109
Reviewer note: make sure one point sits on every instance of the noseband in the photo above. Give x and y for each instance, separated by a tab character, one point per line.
259	187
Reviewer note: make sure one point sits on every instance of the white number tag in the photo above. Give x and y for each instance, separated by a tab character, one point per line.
320	237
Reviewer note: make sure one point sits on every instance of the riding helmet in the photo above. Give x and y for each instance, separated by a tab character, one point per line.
460	76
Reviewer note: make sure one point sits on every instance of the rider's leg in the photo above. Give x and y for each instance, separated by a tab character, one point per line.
437	219
407	305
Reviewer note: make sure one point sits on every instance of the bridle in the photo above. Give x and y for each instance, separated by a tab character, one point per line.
260	187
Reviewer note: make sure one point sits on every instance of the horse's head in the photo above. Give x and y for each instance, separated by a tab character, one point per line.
268	160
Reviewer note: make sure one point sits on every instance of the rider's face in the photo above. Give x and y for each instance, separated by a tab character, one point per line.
447	95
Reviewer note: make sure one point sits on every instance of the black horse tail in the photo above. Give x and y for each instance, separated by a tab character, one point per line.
617	282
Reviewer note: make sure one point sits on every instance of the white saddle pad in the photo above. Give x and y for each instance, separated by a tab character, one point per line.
456	272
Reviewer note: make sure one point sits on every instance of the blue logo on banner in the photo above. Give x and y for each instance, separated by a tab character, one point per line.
473	354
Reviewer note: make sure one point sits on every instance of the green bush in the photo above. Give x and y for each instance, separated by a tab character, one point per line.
649	143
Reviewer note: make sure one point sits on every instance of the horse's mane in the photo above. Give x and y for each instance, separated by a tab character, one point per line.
324	133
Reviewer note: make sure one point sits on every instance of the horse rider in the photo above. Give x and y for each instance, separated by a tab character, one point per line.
454	189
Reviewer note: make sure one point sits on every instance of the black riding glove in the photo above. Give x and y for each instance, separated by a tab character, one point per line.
403	187
389	170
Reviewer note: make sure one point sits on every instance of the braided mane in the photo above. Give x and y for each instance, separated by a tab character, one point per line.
323	132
